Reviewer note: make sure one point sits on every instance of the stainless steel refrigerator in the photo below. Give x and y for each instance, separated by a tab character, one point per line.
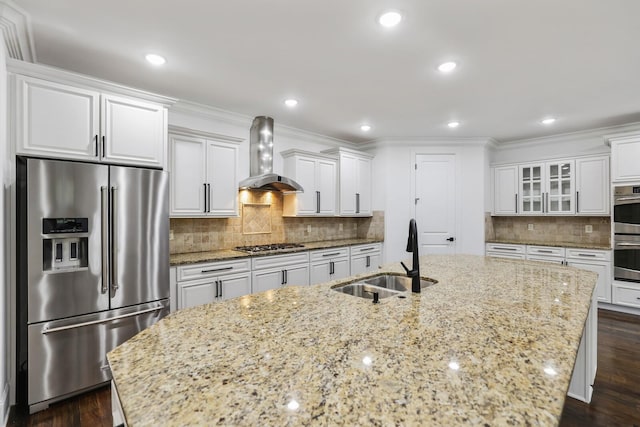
93	270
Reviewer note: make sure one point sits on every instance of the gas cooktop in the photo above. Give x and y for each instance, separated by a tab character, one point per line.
269	247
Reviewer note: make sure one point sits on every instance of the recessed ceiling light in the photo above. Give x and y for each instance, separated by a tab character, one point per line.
447	67
548	121
155	59
365	128
453	124
390	19
291	102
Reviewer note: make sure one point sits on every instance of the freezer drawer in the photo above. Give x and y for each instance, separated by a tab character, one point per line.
69	355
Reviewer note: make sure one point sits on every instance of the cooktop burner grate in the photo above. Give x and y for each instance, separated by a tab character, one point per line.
269	247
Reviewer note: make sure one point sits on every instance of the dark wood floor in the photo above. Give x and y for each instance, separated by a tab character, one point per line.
616	399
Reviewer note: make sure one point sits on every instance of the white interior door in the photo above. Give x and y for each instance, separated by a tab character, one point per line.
435	203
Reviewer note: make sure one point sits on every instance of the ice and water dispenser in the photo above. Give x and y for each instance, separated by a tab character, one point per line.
64	244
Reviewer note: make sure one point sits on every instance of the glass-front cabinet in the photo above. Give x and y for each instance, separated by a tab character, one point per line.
531	189
547	188
560	192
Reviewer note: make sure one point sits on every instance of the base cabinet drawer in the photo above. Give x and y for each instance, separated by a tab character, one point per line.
508	255
626	295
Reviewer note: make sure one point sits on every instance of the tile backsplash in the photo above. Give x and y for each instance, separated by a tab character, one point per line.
549	229
261	222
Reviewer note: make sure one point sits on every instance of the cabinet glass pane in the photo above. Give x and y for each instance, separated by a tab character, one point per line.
526	205
537	206
553	171
526	174
536	189
566	171
553	205
536	172
566	187
566	204
553	188
526	189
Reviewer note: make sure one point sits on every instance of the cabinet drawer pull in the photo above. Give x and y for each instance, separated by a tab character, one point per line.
589	255
544	251
213	270
331	254
498	248
367	249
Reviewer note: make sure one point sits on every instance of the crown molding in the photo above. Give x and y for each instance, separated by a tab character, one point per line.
60	75
597	133
179	130
427	141
15	24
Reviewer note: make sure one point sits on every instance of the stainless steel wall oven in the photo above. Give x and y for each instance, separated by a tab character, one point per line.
626	228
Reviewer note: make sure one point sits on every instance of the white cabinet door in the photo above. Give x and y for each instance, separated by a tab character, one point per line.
319	273
326	184
625	152
531	189
222	182
332	269
297	275
341	269
56	120
234	286
505	190
365	263
348	185
197	292
603	286
187	168
560	181
592	186
363	186
305	175
267	279
134	132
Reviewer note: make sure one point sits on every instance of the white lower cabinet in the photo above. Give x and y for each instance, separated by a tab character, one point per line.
365	258
586	364
626	294
271	272
505	250
215	281
598	261
328	264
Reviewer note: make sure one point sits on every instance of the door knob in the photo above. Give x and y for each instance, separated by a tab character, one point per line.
451	239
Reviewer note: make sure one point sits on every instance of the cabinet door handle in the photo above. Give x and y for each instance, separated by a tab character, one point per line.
577	201
104	142
286	277
357	202
516	203
205	197
330	267
282	280
96	145
216	283
213	270
209	195
368	261
220	284
317	202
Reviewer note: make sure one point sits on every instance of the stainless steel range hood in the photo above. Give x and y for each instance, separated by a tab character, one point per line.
261	160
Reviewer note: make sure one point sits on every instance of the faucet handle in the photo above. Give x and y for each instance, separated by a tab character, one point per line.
405	267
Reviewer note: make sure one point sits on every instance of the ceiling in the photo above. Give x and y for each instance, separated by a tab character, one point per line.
519	61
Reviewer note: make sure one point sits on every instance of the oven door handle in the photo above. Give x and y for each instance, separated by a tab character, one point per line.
626	198
627	244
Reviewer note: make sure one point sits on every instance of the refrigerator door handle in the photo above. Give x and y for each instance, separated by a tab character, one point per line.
105	238
114	239
95	322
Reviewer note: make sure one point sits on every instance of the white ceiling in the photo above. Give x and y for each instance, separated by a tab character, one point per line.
519	61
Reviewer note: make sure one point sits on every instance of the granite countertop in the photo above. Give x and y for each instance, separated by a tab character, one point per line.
219	255
554	244
494	341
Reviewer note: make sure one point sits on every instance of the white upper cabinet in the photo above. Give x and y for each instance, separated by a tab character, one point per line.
505	190
73	122
625	152
547	188
133	132
592	186
203	175
355	182
56	120
317	174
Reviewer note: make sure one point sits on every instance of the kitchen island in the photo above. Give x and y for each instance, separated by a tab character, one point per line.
494	341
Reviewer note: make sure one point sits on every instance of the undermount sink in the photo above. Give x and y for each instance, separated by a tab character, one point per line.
399	283
386	285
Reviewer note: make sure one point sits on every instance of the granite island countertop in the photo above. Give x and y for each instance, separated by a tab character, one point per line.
494	341
224	254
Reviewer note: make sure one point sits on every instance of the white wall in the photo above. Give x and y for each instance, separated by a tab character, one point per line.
393	191
4	275
584	143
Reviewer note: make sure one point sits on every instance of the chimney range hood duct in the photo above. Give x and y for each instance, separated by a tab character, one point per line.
261	161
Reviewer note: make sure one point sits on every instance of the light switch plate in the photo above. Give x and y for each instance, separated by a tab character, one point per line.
588	228
530	227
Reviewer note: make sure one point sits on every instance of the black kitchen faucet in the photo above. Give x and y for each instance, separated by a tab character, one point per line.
412	246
